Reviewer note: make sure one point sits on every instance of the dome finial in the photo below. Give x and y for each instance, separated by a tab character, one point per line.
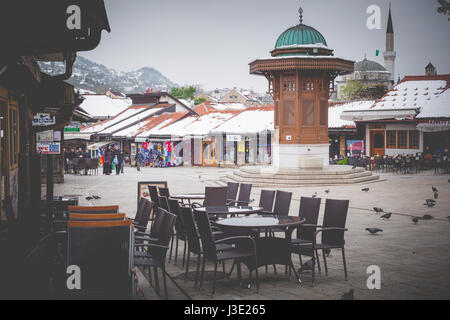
300	11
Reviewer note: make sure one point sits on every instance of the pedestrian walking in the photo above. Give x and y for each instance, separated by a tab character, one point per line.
118	159
108	158
139	158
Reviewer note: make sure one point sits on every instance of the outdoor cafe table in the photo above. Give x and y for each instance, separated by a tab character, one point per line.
269	250
188	196
229	210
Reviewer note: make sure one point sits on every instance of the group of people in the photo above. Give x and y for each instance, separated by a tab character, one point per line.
71	154
113	157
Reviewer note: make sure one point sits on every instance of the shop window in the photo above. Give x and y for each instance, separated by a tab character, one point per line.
289	113
402	139
414	139
391	139
308	112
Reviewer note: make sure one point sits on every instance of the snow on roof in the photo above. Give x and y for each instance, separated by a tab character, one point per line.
249	121
103	106
411	94
228	106
439	107
315	45
193	125
136	117
99	126
335	110
150	126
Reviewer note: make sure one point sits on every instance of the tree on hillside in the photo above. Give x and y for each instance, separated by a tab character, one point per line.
183	92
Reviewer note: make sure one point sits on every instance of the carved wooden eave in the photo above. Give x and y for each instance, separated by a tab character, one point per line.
337	66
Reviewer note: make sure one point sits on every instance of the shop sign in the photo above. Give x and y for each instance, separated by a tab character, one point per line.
72	127
233	137
43	119
48	147
45	136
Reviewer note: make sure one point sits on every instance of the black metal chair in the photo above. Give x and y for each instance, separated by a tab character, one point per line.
281	207
309	209
244	195
215	196
193	241
332	231
180	234
155	254
163	203
266	201
244	249
141	223
164	192
232	190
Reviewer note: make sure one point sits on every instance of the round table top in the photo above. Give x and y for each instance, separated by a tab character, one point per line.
261	222
190	196
229	209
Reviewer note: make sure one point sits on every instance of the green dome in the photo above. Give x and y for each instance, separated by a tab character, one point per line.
300	35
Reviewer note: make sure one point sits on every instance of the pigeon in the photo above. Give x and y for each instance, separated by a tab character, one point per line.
427	217
434	189
415	220
314	195
89	198
96	197
378	210
386	216
365	189
308	265
374	230
348	295
430	200
327	191
429	204
436	195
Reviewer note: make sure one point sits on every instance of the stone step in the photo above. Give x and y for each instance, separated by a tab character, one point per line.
343	170
299	177
297	183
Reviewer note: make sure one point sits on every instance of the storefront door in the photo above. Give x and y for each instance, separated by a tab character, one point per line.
377	140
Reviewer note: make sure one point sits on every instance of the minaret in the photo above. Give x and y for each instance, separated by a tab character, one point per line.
389	54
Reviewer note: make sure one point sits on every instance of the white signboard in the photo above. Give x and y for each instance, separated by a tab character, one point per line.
233	137
43	119
44	136
48	147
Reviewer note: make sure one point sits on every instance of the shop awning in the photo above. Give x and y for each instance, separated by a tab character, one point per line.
76	136
434	126
98	145
380	114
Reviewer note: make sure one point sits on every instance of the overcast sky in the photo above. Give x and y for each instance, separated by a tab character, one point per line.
211	42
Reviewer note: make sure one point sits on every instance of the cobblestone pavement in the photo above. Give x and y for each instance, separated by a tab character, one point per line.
414	259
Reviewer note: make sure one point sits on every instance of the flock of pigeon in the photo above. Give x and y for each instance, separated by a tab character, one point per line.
429	203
